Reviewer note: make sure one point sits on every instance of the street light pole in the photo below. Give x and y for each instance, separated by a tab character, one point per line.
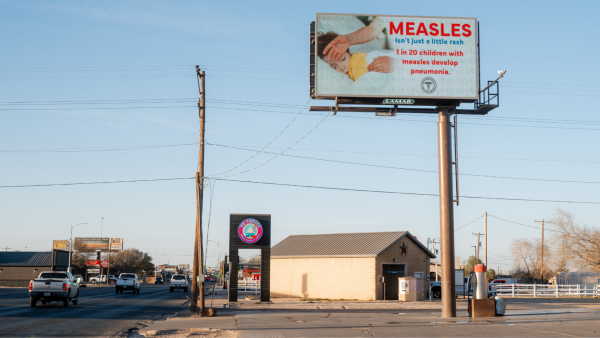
218	252
71	244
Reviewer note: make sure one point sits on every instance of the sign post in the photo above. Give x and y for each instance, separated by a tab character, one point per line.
405	62
446	214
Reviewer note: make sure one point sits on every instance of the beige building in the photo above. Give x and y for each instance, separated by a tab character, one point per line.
347	266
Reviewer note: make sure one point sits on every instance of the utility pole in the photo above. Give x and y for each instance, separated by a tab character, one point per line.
436	263
543	222
485	236
478	241
6	248
446	212
198	268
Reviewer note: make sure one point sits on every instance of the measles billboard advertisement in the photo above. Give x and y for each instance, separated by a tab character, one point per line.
396	57
89	244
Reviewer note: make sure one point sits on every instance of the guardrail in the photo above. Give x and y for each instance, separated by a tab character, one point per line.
546	290
251	285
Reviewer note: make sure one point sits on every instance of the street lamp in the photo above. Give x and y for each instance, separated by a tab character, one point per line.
71	244
218	252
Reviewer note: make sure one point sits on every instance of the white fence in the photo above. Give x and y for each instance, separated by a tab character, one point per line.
547	290
249	285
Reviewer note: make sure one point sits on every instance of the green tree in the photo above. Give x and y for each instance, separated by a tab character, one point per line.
491	275
470	262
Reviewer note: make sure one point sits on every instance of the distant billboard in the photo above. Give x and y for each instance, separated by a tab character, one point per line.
98	244
393	57
60	245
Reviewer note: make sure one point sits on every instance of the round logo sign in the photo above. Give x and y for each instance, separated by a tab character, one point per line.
250	231
428	85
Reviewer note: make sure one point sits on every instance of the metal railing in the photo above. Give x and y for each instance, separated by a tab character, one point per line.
249	285
547	290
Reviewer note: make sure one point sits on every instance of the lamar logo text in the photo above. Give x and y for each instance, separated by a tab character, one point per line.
398	101
428	85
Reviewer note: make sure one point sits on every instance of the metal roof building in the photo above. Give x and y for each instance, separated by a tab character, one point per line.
18	268
350	266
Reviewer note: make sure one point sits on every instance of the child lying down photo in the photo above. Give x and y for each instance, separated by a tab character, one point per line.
357	64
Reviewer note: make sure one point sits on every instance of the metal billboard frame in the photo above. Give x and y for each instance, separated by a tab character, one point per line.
425	101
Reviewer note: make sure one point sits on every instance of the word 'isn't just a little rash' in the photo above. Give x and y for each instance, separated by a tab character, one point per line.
434	29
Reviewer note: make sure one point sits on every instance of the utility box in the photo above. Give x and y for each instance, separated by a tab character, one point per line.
411	289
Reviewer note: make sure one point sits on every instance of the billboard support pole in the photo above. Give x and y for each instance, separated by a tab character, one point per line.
446	212
198	260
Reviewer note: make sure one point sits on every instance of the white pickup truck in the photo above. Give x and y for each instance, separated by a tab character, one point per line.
102	279
178	282
54	286
127	281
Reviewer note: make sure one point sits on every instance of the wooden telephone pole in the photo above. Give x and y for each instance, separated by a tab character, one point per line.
478	241
198	269
543	222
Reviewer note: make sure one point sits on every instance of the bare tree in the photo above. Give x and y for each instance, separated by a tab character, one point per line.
580	244
528	253
80	257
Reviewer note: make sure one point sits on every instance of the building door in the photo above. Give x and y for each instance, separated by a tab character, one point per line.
390	274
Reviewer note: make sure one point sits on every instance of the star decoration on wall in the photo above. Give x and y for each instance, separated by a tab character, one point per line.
403	249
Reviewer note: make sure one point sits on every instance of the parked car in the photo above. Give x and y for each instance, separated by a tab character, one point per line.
54	286
159	280
178	282
128	281
102	279
461	289
78	279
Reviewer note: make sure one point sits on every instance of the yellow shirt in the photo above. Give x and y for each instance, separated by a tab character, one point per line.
358	65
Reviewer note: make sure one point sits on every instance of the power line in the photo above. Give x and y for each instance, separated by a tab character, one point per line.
468	223
281	153
303	186
273	140
45	239
530	226
408	169
77	150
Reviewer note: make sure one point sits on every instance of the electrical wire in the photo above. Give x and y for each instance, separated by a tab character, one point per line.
45	239
281	153
508	226
305	186
78	150
212	187
408	169
273	140
468	223
530	226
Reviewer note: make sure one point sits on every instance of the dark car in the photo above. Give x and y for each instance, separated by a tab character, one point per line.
159	280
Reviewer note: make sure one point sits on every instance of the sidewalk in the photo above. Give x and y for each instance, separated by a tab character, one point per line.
294	318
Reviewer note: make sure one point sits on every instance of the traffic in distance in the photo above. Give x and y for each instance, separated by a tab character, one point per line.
63	287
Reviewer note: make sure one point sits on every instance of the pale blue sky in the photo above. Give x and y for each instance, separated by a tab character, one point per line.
549	50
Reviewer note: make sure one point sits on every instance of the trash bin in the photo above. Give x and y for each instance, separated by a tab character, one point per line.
500	306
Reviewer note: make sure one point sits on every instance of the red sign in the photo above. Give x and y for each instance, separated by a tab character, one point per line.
93	263
104	264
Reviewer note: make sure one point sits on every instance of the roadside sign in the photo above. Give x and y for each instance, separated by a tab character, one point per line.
93	270
398	101
98	250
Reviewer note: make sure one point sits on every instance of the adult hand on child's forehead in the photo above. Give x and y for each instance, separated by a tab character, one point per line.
336	48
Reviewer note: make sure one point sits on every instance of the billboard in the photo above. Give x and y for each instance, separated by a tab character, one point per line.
394	57
60	245
98	244
102	263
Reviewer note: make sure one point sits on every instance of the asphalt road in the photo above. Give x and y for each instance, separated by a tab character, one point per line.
100	312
